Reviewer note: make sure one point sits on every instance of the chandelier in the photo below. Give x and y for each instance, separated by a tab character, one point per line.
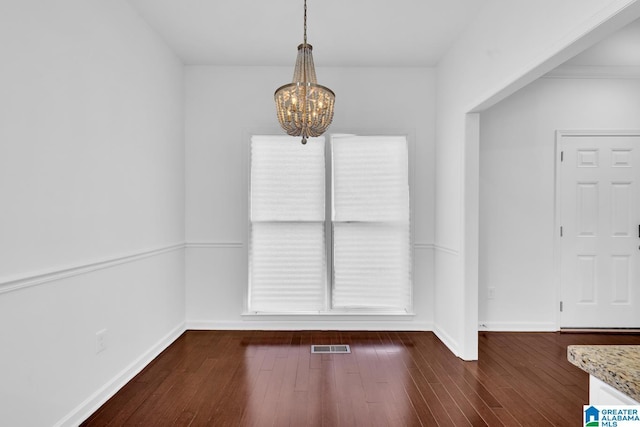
304	107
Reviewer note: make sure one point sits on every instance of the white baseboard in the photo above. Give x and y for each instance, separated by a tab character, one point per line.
104	393
517	326
447	340
312	325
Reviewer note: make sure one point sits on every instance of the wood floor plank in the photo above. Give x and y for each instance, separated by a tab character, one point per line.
314	399
439	404
532	388
520	409
284	406
478	386
505	417
270	378
344	380
552	397
429	409
475	400
445	368
398	406
328	390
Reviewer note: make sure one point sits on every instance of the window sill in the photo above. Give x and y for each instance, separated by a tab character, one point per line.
335	315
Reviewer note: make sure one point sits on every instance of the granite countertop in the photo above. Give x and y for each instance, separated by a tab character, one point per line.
616	365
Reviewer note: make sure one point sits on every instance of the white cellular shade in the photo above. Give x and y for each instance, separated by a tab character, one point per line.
288	268
287	179
287	245
370	178
371	223
371	265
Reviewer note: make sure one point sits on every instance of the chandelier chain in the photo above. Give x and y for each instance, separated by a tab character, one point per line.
305	22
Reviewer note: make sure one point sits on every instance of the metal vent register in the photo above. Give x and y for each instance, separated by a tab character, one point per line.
333	349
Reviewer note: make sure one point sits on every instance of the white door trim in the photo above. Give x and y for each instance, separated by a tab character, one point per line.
557	216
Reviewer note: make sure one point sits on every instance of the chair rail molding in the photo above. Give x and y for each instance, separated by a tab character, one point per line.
446	250
215	245
39	278
424	246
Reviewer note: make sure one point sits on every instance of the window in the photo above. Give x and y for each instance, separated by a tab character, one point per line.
342	250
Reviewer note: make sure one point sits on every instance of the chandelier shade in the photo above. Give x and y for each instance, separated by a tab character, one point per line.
304	107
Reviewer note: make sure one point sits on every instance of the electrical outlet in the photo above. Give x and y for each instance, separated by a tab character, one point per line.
101	341
491	294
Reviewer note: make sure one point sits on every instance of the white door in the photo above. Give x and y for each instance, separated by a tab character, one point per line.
599	213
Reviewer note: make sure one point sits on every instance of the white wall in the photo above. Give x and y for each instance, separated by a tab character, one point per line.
92	204
517	167
225	105
510	44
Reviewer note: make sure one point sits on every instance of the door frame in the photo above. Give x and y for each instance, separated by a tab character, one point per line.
557	249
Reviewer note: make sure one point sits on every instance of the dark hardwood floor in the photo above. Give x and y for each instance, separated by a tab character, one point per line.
250	378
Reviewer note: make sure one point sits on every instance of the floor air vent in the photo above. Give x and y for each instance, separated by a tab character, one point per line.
332	349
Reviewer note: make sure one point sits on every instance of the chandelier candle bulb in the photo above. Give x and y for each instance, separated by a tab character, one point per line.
313	114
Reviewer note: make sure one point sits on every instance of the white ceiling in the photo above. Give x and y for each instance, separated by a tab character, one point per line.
400	33
621	49
377	33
